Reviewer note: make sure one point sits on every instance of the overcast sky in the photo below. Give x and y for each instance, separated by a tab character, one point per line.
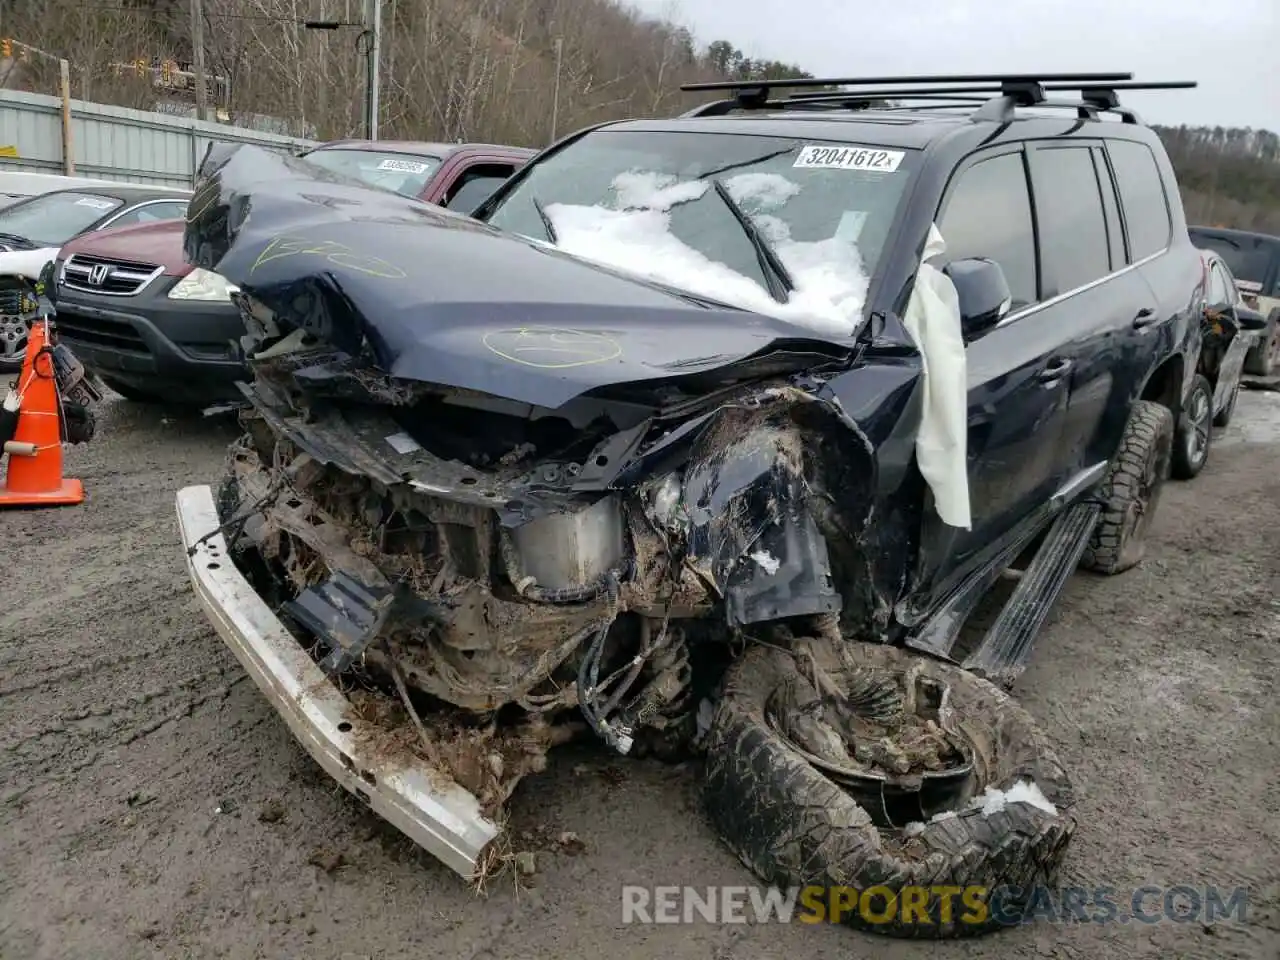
1231	47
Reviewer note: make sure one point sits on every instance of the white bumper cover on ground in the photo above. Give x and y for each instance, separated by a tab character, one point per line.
430	809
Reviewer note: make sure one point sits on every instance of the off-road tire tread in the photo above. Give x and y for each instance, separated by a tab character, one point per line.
1150	429
793	827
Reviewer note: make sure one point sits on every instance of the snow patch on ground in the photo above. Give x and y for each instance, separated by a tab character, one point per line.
635	237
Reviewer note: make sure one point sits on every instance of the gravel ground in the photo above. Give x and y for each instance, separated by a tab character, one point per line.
152	805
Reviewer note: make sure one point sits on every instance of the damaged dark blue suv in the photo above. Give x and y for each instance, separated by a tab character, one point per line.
707	434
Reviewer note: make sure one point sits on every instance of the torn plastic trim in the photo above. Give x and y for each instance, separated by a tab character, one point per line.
433	811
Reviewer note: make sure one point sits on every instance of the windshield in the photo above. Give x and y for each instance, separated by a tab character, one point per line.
54	218
401	173
782	226
1247	257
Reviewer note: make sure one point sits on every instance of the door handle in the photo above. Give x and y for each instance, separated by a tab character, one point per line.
1055	369
1146	316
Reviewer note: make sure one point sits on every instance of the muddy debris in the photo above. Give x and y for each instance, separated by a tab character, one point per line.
327	860
526	863
570	843
271	812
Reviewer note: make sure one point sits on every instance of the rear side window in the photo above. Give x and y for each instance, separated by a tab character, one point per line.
476	185
1146	209
988	214
1071	222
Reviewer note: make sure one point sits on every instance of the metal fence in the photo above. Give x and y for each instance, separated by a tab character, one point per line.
113	143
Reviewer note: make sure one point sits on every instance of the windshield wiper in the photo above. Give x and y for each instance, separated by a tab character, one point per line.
748	163
17	238
775	272
546	221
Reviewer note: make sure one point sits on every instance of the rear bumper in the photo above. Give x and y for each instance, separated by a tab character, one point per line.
433	811
175	349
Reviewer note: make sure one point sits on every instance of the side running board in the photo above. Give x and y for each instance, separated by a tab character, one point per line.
1004	651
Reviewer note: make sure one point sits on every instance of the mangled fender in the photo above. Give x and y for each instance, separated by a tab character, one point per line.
776	501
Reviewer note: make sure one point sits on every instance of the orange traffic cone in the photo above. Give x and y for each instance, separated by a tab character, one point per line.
35	452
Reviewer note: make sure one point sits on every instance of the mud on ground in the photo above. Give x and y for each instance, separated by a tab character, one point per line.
152	805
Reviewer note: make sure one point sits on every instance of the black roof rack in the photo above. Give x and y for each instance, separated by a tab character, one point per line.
998	95
899	81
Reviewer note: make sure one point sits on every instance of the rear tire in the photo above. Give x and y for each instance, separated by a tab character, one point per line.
795	827
1131	490
1264	358
1194	434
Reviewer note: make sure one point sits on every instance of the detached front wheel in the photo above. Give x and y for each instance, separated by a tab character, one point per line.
903	795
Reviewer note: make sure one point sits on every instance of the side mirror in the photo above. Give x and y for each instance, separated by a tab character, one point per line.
983	293
1250	319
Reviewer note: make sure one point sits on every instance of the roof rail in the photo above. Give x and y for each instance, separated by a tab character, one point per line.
902	81
998	97
755	94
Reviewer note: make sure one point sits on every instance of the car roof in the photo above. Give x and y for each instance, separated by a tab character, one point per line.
888	128
421	147
128	192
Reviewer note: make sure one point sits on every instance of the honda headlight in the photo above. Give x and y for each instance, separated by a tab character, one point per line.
203	285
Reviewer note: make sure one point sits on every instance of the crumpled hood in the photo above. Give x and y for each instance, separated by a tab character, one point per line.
26	263
444	299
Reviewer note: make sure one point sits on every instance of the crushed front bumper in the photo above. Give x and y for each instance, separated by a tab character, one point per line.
429	808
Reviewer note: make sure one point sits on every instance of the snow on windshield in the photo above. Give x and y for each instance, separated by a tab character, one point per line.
635	236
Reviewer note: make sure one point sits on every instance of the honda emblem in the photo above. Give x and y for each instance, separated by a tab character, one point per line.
98	274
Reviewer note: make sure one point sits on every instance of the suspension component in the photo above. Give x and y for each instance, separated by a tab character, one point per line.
663	705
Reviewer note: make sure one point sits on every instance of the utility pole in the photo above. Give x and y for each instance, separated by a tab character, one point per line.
64	89
197	58
555	97
322	90
374	20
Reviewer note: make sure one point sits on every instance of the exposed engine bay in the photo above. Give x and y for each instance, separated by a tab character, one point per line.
496	567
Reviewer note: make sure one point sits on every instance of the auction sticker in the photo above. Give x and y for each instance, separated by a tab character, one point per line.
404	166
814	157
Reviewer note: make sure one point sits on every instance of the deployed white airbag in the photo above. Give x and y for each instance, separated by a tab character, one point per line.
933	320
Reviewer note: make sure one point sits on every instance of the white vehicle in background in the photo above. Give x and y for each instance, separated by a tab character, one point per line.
33	230
16	185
